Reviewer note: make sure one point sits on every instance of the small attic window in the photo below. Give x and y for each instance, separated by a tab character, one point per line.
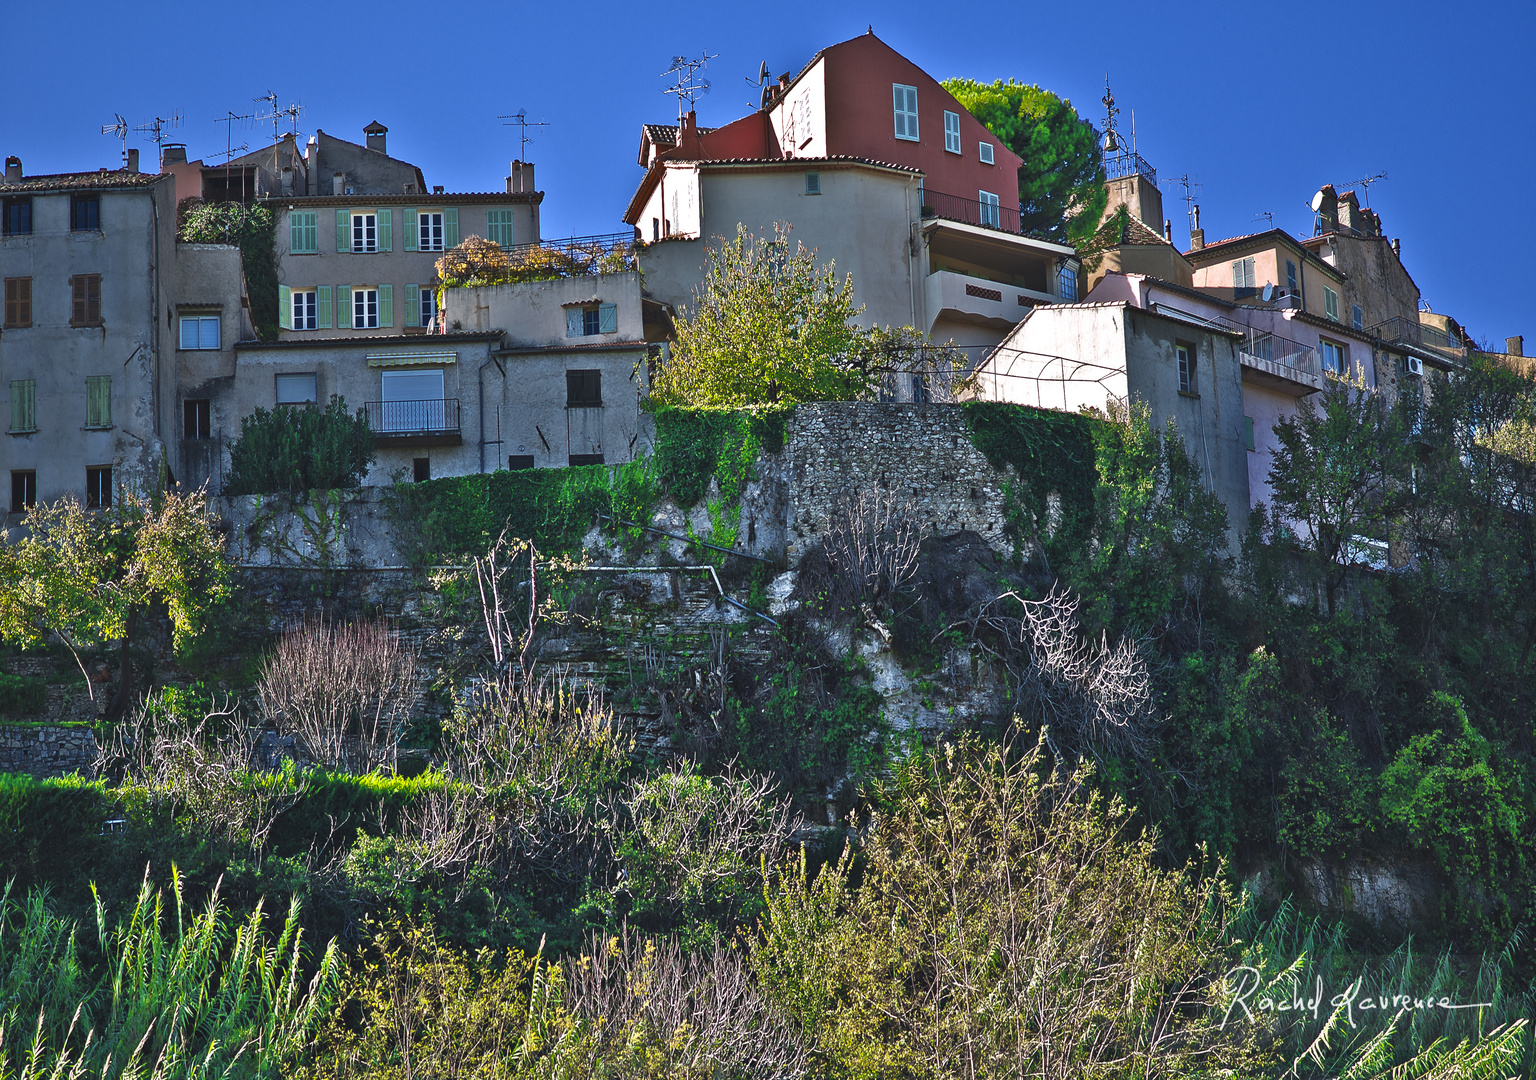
813	183
986	154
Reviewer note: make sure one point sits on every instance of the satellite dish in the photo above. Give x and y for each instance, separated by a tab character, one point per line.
1269	291
762	74
1317	202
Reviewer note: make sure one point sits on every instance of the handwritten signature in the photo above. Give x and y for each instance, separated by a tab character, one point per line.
1249	980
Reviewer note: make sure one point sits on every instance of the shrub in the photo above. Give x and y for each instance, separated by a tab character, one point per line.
293	449
22	695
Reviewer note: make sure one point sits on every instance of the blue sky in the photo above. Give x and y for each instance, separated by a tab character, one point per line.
1262	103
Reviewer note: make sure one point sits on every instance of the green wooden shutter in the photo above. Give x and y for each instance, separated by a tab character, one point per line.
386	305
24	405
285	307
451	227
410	228
295	231
17	415
98	401
323	307
343	306
608	319
413	305
343	230
386	230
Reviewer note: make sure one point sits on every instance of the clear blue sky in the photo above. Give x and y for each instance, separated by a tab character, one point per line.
1262	103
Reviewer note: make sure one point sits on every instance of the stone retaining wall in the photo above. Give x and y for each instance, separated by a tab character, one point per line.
44	750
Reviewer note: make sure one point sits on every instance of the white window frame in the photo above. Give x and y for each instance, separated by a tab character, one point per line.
1326	348
1186	358
205	332
365	233
904	105
989	201
290	379
365	308
984	152
952	142
305	313
429	230
428	303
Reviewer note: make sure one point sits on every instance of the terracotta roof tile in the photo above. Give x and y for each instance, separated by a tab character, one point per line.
104	178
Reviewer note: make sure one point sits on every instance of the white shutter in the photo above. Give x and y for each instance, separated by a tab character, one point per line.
573	326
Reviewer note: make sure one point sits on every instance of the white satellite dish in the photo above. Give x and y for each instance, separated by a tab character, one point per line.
1317	202
1269	291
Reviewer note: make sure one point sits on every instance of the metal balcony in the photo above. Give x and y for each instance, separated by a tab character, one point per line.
938	204
431	422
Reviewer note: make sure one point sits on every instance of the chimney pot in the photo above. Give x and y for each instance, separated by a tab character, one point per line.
1397	246
173	154
1196	209
374	133
1168	230
337	182
13	169
133	160
437	189
1515	346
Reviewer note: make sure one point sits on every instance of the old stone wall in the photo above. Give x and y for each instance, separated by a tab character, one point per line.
45	750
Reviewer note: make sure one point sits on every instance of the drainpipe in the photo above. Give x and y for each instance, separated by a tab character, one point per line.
912	239
480	401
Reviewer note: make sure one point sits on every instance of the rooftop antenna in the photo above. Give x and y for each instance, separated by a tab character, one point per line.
1191	192
520	121
761	84
1365	186
1111	137
119	131
156	129
229	120
689	86
276	113
1267	215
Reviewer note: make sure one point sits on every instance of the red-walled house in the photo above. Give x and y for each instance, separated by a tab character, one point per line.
877	167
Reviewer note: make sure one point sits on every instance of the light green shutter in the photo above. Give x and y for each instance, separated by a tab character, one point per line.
386	230
24	405
607	319
343	230
409	222
98	401
343	306
386	305
323	307
413	305
18	413
296	232
285	307
451	227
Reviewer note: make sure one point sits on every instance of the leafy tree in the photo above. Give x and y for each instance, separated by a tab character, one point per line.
253	229
766	325
294	449
88	579
1061	183
476	261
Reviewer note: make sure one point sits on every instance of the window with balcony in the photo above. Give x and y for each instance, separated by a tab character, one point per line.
16	216
991	212
85	213
304	232
23	490
1330	303
1335	356
952	131
199	332
98	487
18	302
905	101
98	401
1186	368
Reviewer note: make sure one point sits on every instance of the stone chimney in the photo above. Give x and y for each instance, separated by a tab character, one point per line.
1197	234
172	154
521	180
338	184
287	181
1168	230
1515	346
1397	247
133	160
375	133
13	170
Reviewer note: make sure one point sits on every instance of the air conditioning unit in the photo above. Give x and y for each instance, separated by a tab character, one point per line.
1412	365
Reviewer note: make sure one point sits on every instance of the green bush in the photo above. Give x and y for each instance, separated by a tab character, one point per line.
50	828
293	449
22	695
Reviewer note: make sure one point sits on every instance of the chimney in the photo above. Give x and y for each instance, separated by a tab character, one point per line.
1196	234
1515	346
133	160
173	154
1168	230
13	170
287	181
337	183
1397	247
521	180
375	133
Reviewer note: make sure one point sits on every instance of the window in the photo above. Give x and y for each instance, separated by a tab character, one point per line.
304	232
421	469
296	389
516	462
424	305
199	332
498	227
905	98
1186	368
196	419
1068	279
1290	279
655	229
365	309
98	401
920	395
23	490
306	310
429	230
23	405
586	459
1330	303
1244	280
984	151
98	487
813	183
1248	440
365	233
952	131
1356	316
87	300
1335	357
990	214
85	213
583	389
18	302
586	321
16	219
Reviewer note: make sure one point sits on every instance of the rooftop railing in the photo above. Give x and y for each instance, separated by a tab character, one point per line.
1125	163
575	256
940	204
1407	331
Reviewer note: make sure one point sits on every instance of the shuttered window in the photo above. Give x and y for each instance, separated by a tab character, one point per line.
199	332
1243	275
413	305
583	389
98	401
18	302
429	230
85	213
365	233
86	290
322	307
451	227
24	405
1330	303
991	210
304	232
905	100
952	131
343	230
498	227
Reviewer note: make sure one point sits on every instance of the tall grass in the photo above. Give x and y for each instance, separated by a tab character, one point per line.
165	993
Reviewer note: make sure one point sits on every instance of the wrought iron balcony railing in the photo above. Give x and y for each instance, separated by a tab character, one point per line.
939	204
1120	165
433	416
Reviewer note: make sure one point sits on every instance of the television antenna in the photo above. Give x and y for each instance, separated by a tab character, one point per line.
1365	186
761	84
276	113
520	121
119	131
1267	215
1191	192
156	129
689	86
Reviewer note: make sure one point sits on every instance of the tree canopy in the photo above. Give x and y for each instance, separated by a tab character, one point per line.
1061	183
